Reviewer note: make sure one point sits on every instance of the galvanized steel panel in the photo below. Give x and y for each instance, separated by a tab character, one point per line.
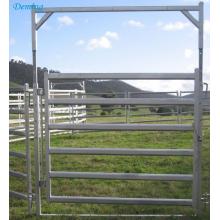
121	151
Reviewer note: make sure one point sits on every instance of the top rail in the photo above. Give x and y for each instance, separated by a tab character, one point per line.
118	9
128	76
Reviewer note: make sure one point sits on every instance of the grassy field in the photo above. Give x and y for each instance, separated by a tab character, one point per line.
143	189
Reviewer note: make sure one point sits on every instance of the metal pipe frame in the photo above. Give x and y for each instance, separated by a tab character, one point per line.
121	176
122	101
16	154
121	151
27	145
17	174
36	114
113	216
121	127
119	200
118	9
17	195
127	76
197	106
47	135
197	144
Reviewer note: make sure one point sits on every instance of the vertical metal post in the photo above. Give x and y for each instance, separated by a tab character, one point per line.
36	118
201	19
201	44
181	110
178	108
20	103
198	118
129	109
47	134
27	145
84	96
76	108
71	112
42	136
126	108
51	113
197	145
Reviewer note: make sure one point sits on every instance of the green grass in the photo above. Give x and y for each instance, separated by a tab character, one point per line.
18	208
14	85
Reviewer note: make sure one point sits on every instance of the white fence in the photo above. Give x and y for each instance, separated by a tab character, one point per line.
74	114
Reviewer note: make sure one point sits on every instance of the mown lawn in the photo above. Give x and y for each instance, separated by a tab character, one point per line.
165	189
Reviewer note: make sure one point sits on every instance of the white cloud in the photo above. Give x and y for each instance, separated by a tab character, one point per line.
173	26
17	58
134	23
65	20
80	42
112	35
207	26
188	53
159	23
12	41
102	42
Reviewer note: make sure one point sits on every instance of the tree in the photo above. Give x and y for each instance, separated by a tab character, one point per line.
165	111
107	108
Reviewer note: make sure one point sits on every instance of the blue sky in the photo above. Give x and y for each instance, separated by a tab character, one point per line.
113	42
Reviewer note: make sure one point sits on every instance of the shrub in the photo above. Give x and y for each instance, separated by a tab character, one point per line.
103	113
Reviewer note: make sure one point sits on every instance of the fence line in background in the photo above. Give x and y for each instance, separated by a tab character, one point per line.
80	113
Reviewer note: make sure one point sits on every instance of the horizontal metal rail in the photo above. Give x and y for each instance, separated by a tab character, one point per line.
16	94
154	114
83	115
16	121
16	104
68	92
118	9
147	92
119	200
18	139
123	101
113	216
54	132
17	154
67	109
16	111
156	120
128	76
120	176
15	132
18	195
122	151
17	174
57	109
122	127
100	116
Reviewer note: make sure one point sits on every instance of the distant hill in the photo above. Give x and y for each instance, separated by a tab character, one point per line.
14	85
21	73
